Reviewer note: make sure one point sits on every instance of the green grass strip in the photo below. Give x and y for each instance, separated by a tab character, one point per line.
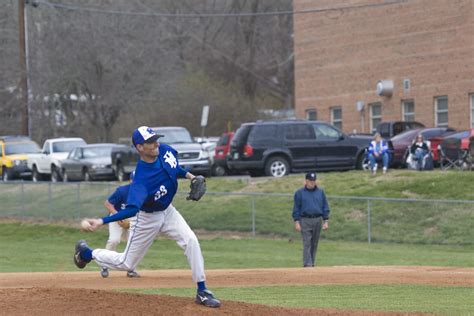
396	298
41	248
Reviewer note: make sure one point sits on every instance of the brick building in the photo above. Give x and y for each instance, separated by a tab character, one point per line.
424	48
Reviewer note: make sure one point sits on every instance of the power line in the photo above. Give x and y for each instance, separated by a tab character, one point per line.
210	15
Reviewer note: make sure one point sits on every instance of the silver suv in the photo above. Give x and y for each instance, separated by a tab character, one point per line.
192	155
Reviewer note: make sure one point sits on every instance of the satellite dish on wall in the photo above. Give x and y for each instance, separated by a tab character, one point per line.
360	105
384	88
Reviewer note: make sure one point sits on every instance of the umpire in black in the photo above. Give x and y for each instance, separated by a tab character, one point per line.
310	213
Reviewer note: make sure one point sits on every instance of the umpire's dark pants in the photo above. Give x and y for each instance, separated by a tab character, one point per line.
310	231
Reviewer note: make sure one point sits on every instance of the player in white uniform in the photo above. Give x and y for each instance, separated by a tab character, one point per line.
116	202
150	197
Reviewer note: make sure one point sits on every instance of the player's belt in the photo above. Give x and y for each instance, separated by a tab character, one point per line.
311	215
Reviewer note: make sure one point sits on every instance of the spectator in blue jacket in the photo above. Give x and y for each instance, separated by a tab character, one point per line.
310	214
378	152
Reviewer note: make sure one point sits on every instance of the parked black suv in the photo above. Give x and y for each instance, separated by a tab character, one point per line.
275	148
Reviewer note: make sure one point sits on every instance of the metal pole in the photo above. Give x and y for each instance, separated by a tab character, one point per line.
50	201
253	216
23	71
23	200
369	228
78	199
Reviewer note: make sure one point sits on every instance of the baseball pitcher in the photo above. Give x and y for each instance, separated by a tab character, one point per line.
150	196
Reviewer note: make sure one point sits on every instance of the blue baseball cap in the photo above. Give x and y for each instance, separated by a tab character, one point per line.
144	134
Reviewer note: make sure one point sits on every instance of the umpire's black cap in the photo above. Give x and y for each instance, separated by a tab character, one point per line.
311	176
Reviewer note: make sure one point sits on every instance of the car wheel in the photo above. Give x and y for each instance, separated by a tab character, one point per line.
54	174
277	167
35	176
219	171
362	163
86	176
65	176
5	174
121	175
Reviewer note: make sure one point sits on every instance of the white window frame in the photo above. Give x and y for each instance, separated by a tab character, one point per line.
374	117
437	112
471	98
406	114
334	121
308	114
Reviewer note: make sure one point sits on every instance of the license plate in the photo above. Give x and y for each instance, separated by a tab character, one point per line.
236	155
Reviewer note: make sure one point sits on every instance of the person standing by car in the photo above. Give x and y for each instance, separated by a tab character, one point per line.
310	214
378	152
420	152
115	203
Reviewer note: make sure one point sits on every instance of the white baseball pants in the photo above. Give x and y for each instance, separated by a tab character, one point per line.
115	235
143	232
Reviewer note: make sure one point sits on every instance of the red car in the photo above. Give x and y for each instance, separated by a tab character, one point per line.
459	147
219	167
402	141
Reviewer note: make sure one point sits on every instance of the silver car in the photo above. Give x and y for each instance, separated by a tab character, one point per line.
89	162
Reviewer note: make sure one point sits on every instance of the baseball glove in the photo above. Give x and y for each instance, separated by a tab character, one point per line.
198	188
125	224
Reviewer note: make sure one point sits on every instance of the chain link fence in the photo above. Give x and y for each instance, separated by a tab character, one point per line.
368	219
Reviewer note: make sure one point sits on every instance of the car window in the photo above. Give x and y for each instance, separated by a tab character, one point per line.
241	134
46	148
75	153
223	140
93	152
174	136
299	131
411	125
326	132
21	148
385	129
260	132
65	147
397	128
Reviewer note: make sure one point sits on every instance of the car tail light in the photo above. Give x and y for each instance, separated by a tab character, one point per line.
248	150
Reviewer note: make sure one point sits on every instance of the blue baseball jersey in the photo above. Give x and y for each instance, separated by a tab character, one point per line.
154	185
119	198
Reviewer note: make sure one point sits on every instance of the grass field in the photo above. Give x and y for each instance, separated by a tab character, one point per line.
404	233
30	248
391	221
39	248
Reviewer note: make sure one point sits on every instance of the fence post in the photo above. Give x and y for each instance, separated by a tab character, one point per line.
253	216
369	228
23	200
78	202
50	201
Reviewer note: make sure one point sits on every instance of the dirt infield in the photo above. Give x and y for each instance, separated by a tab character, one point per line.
79	293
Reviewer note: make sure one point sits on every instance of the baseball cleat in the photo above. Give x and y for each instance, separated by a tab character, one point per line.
104	272
207	298
133	274
81	245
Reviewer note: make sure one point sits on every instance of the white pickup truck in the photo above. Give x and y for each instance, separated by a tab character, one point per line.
48	162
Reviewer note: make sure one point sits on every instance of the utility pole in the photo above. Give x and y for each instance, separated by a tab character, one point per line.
24	84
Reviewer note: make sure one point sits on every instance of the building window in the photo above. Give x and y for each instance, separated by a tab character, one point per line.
408	108
472	110
311	114
336	117
441	109
375	115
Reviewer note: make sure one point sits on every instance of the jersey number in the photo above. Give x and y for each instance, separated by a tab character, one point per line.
161	192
